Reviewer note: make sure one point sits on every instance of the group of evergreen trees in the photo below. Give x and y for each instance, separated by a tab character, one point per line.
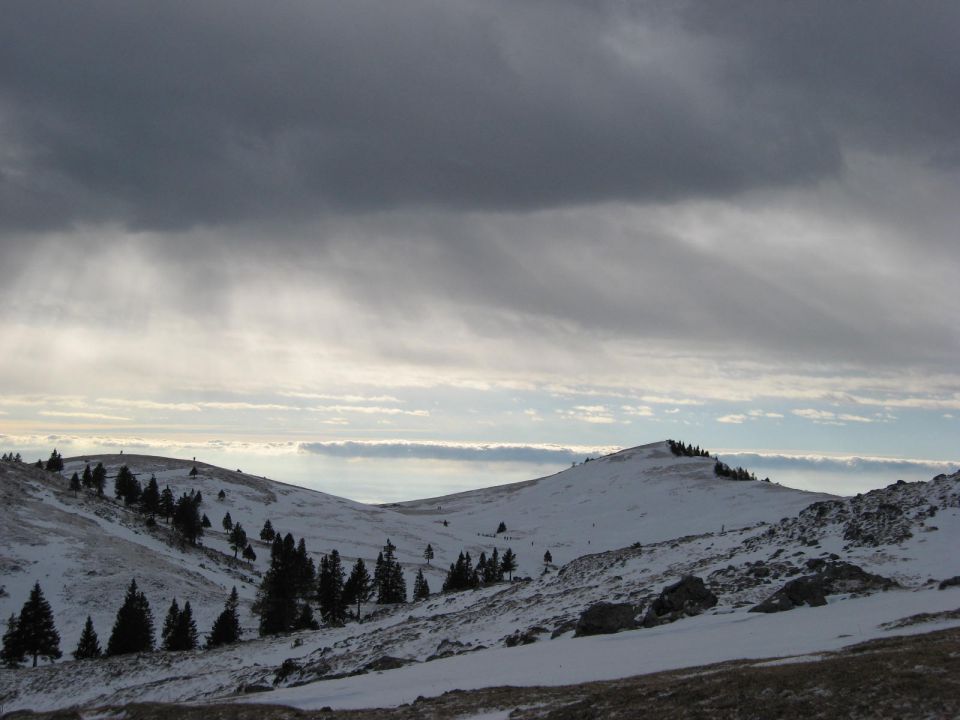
33	635
10	457
681	449
283	601
464	575
723	470
388	577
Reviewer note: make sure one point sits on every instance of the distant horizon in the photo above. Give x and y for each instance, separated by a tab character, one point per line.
382	480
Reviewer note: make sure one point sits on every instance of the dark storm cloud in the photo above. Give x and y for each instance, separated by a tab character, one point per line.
171	115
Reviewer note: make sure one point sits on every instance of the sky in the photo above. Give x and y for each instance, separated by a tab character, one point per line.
397	249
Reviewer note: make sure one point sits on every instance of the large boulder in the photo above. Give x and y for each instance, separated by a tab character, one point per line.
685	598
603	618
830	578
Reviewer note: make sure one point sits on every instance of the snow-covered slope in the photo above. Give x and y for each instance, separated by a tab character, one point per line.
620	528
643	494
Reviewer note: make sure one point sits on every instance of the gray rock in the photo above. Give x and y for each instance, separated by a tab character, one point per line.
603	618
686	598
830	578
949	582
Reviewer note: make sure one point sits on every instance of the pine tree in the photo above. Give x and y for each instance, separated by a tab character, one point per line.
55	464
89	645
238	539
547	558
99	478
204	521
185	632
421	590
87	479
150	498
126	486
428	553
75	483
249	553
37	635
508	564
226	628
167	639
333	609
194	472
227	522
358	588
277	597
167	503
133	628
492	571
221	495
267	533
305	572
502	527
12	652
305	619
186	519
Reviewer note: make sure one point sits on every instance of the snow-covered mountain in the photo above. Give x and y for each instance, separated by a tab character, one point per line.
619	528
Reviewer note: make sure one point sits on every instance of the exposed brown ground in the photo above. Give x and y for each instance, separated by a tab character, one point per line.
911	677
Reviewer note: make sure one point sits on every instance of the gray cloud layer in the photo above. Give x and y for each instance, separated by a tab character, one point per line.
536	454
173	115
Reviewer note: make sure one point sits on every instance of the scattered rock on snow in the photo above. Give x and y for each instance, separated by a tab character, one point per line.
949	582
686	598
603	618
830	578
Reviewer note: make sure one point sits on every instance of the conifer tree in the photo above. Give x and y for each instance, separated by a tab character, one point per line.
185	631
133	628
305	571
39	465
55	464
238	539
186	519
388	577
277	597
88	647
167	503
249	553
305	619
428	553
75	483
227	522
333	609
12	652
35	629
547	558
494	570
167	639
508	564
205	521
87	479
150	498
421	590
226	628
194	472
99	477
221	495
267	533
502	527
358	588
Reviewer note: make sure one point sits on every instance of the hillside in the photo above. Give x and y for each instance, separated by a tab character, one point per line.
620	529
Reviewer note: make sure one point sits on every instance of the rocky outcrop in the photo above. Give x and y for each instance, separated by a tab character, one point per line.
829	578
603	618
949	582
686	598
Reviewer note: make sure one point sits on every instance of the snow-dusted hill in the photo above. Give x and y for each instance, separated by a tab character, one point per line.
619	528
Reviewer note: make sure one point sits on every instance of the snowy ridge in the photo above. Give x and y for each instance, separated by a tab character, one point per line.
620	528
